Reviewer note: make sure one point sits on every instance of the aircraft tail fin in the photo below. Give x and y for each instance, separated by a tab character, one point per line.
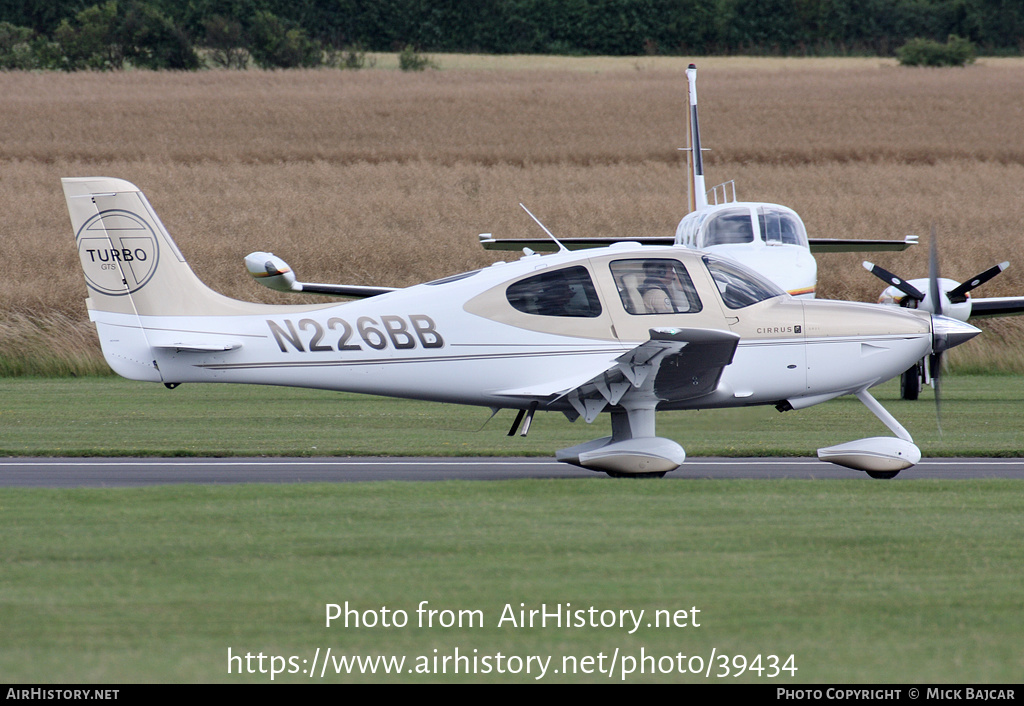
134	271
131	264
697	191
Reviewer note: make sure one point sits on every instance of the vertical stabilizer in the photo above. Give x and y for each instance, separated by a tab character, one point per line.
697	192
131	264
136	276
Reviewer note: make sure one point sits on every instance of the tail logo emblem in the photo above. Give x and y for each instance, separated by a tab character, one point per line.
119	252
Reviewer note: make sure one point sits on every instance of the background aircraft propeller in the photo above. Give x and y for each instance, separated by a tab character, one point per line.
944	298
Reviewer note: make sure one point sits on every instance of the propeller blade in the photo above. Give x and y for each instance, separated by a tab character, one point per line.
946	333
933	275
937	299
891	279
959	294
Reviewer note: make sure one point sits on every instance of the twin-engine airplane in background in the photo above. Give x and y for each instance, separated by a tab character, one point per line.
768	238
772	240
626	329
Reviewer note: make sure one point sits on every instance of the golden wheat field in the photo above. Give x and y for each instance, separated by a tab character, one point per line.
384	177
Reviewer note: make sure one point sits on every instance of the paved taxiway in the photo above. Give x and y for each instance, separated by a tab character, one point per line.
124	472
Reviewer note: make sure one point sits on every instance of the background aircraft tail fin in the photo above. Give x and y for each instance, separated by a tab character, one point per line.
696	189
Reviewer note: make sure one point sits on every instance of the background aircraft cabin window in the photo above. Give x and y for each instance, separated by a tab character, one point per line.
739	286
565	292
780	226
655	286
728	227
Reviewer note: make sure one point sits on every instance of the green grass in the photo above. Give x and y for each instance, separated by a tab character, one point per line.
111	416
860	581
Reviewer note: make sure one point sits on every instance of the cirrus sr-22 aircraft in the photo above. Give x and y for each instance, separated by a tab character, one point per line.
627	330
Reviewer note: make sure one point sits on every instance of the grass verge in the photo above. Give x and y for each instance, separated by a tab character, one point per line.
859	581
107	416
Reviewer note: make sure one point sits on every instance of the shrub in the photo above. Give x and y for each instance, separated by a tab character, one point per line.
927	52
411	60
107	37
275	45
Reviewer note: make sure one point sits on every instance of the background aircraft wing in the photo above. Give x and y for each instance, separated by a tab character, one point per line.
274	273
548	245
996	306
859	244
674	365
353	291
816	244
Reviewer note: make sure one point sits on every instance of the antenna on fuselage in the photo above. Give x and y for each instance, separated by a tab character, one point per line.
697	192
561	248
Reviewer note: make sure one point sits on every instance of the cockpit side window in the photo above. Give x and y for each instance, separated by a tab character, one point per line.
728	227
655	286
781	226
739	286
565	292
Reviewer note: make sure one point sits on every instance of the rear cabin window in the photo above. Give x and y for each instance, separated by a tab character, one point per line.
565	292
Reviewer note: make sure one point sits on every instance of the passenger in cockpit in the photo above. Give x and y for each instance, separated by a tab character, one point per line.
661	290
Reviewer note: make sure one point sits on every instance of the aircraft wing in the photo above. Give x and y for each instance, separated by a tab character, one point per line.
996	306
549	245
274	273
860	245
674	365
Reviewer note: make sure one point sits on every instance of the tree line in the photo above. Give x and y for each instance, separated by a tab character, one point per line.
82	34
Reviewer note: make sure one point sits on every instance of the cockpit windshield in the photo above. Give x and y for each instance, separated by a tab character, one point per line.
727	228
739	286
780	225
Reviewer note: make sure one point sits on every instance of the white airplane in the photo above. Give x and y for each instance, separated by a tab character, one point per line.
769	238
627	329
772	240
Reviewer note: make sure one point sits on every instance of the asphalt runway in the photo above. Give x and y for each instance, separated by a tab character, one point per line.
131	472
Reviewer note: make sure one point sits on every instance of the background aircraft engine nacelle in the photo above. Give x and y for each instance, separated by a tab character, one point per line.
630	457
271	271
893	296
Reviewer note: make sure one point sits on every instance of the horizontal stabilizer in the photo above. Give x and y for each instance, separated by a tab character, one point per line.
198	347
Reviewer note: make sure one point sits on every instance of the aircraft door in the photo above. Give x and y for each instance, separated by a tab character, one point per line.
642	293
